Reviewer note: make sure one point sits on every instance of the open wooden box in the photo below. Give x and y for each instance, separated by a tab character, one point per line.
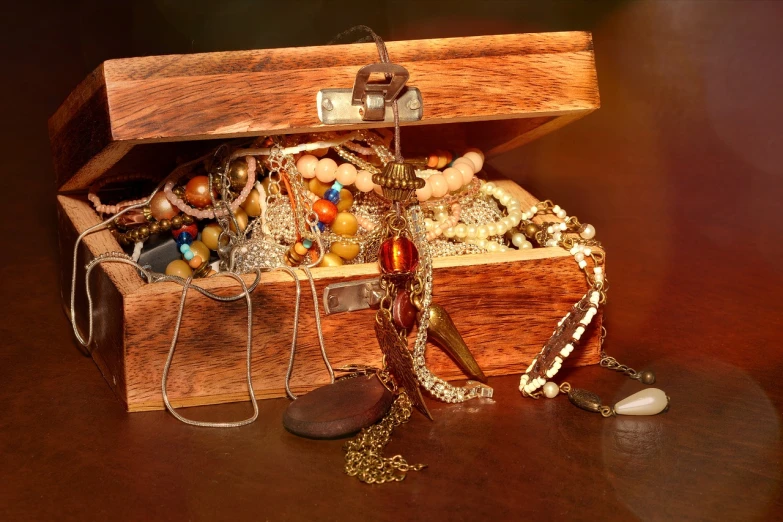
491	92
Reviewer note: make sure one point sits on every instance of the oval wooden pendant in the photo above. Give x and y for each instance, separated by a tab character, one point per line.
339	409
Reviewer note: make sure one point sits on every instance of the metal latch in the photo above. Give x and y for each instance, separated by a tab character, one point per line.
351	296
371	102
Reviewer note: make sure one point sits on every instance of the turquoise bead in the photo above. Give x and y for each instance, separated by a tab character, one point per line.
184	247
307	243
189	255
337	186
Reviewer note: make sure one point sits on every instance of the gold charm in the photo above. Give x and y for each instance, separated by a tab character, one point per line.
398	360
441	329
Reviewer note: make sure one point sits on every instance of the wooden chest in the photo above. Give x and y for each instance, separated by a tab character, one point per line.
491	92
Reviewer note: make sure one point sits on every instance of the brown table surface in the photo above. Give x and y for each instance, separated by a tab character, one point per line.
680	171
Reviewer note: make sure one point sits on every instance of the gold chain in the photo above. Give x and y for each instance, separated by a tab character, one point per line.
364	455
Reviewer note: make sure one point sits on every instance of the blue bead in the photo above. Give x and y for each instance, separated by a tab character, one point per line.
332	195
189	255
184	248
337	186
184	238
321	226
307	243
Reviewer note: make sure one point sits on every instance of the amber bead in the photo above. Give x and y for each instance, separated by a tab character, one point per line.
345	250
197	192
200	249
318	188
161	207
326	210
179	268
252	204
241	218
403	311
210	235
345	224
331	259
398	255
300	249
346	200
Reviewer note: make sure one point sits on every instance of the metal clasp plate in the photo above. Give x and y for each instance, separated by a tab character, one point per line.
351	296
371	101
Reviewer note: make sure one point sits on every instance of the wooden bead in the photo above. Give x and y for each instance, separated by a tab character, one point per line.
210	235
346	200
252	204
197	192
345	250
241	217
161	207
179	268
331	259
326	210
345	224
195	262
306	166
318	187
200	249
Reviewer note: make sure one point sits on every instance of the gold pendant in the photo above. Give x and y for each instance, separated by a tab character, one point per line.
442	330
398	359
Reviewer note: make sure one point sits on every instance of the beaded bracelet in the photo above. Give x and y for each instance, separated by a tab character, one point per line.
92	195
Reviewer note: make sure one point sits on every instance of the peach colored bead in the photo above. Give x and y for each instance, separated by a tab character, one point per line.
378	190
306	165
477	151
476	159
439	185
364	181
466	168
466	161
346	174
425	192
195	262
326	170
453	178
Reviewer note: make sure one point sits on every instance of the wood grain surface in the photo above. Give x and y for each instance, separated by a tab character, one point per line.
248	93
525	292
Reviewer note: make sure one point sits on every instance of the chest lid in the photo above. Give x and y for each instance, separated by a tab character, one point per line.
492	92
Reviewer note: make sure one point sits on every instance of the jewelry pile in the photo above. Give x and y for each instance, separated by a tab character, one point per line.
299	202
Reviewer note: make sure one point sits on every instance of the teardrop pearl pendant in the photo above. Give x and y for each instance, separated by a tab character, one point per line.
651	401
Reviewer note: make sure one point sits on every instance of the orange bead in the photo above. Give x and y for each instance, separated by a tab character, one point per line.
326	210
398	255
432	161
195	262
197	192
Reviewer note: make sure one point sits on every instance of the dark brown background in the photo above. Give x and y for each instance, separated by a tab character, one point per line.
679	171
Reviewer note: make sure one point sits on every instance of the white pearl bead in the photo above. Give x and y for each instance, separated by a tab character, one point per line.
503	248
441	216
551	243
551	390
526	245
533	209
588	232
516	216
482	243
491	229
428	224
471	231
482	232
561	213
646	402
461	231
488	188
579	257
449	232
513	204
518	239
505	198
492	246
